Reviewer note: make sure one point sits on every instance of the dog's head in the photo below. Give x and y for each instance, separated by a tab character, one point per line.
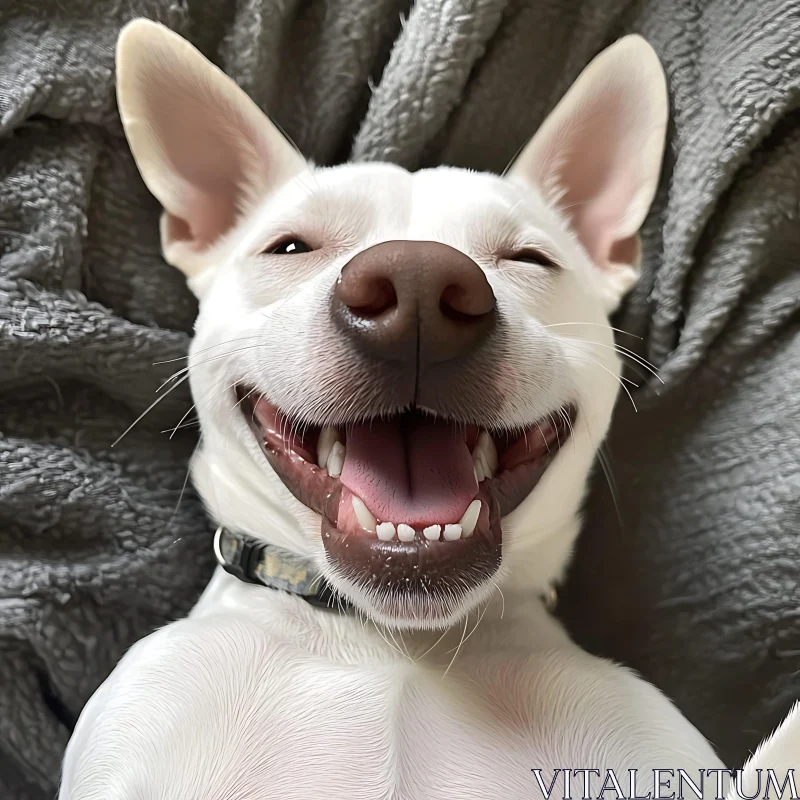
403	376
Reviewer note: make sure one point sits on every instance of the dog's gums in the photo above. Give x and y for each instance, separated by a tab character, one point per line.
412	500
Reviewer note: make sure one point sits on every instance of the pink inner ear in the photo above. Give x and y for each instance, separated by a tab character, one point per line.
595	161
206	146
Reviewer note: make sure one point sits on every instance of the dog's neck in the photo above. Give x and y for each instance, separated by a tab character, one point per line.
513	615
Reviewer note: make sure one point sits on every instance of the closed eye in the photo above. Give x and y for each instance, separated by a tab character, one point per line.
531	256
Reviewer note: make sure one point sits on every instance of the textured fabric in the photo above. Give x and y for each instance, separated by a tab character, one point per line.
690	574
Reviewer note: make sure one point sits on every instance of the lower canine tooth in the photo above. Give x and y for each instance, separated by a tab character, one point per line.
405	533
364	516
452	532
336	463
432	532
386	531
470	518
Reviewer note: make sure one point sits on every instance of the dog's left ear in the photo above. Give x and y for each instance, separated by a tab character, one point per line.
598	155
203	147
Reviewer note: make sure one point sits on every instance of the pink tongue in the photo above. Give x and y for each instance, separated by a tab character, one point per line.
413	470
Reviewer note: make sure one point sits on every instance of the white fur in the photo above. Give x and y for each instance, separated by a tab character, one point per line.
257	694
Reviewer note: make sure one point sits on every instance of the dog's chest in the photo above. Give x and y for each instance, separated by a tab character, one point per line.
225	707
401	731
273	718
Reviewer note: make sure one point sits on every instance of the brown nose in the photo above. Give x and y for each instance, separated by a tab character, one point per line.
405	299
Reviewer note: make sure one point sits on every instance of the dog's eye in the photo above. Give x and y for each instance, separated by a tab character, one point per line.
289	247
533	257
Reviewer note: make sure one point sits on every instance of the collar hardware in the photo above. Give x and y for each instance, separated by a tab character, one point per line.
240	557
253	561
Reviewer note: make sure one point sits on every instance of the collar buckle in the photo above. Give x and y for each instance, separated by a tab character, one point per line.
243	558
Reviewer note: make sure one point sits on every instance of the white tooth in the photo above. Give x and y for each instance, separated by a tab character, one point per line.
478	478
386	531
487	447
432	532
482	468
335	460
470	518
452	532
479	474
364	516
405	533
327	438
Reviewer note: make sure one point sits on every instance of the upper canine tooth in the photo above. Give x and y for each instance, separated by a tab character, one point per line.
405	533
335	461
484	456
487	446
386	531
432	532
452	532
327	438
364	516
470	518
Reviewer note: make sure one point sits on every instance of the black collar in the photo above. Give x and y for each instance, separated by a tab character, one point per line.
254	561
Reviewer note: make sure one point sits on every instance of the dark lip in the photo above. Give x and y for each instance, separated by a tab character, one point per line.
436	570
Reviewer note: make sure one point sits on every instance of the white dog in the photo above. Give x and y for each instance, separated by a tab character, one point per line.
402	381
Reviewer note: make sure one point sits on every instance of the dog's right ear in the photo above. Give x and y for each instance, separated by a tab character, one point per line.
203	147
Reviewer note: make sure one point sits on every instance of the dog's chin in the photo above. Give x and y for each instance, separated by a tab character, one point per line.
410	505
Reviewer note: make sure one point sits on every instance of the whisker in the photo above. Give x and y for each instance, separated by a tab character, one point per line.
172	377
594	324
242	399
204	350
148	410
639	360
605	465
566	418
623	351
403	642
220	356
180	421
502	597
185	480
444	633
458	649
192	423
375	625
391	635
620	379
480	617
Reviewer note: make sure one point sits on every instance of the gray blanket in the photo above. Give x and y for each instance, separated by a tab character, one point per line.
689	573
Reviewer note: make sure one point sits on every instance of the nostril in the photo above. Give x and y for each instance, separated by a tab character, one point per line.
369	298
451	305
460	304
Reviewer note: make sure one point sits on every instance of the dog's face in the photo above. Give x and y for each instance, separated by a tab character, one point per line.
403	376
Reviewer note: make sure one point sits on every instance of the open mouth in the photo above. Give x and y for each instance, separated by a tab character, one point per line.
413	503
